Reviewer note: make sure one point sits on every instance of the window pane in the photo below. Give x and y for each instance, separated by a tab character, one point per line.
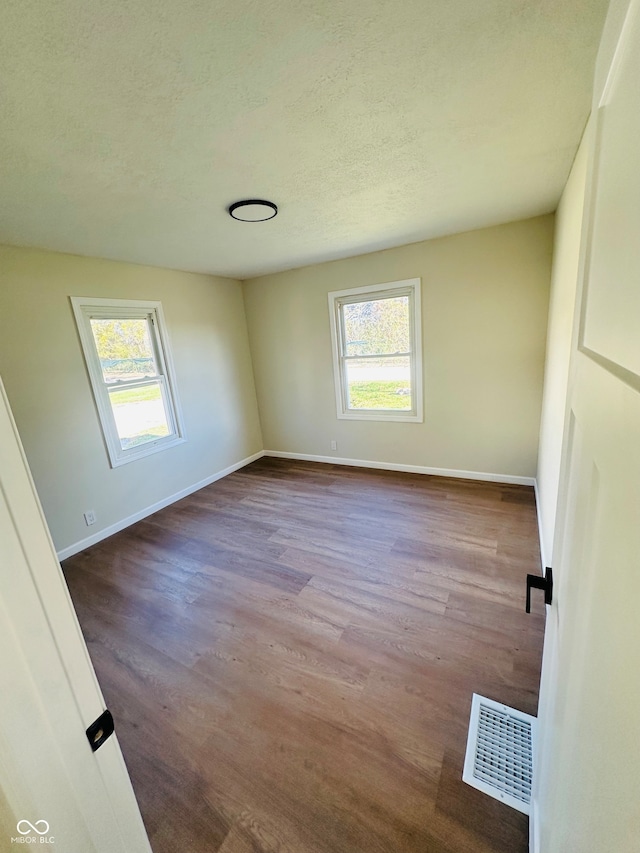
377	326
124	349
140	414
379	383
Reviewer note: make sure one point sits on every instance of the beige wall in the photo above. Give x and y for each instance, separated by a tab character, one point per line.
564	280
43	370
485	302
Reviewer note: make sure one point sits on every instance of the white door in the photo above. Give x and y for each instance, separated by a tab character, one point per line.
53	788
587	786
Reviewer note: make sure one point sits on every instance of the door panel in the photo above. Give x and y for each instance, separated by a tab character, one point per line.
49	693
612	310
587	784
589	799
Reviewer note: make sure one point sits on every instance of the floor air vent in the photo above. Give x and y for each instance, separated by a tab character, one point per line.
499	757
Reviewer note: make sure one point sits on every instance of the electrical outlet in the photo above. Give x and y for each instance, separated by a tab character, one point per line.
334	445
90	517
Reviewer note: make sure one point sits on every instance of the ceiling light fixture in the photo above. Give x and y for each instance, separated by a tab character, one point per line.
253	210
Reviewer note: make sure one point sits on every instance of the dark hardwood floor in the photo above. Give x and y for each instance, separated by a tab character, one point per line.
290	655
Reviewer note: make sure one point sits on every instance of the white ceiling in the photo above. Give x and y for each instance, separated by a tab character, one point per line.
128	127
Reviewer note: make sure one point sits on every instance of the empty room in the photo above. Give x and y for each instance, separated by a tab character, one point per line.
320	427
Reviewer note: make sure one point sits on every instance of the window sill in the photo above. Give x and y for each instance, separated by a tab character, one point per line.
380	416
145	450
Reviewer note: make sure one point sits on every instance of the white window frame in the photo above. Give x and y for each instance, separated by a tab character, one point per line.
408	287
87	308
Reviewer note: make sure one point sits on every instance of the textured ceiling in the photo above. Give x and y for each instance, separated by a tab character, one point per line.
128	127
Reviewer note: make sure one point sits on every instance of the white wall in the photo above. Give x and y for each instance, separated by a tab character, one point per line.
485	304
564	278
43	369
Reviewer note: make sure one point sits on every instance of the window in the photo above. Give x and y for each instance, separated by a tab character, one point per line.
377	351
126	350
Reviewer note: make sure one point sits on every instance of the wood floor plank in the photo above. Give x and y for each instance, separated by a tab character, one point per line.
290	655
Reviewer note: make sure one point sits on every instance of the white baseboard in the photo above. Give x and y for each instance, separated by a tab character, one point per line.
514	479
99	535
543	556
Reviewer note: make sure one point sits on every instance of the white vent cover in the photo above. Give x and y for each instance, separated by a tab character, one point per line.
499	757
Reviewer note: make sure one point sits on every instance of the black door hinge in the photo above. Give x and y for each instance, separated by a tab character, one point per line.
100	730
537	582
